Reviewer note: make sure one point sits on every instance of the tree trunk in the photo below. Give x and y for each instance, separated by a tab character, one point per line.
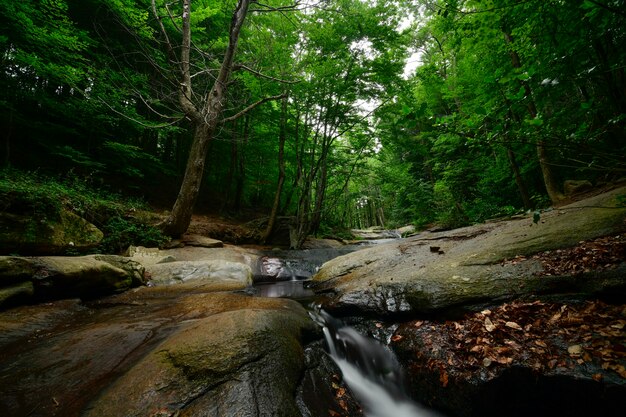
232	167
180	218
281	171
204	119
544	160
241	167
521	186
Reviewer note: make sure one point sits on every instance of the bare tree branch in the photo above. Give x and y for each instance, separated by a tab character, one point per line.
253	106
250	70
186	92
139	122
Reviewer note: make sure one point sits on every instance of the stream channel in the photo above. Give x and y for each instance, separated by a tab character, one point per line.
56	357
368	367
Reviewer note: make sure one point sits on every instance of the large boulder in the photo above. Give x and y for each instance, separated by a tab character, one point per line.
27	235
52	277
464	269
218	272
245	360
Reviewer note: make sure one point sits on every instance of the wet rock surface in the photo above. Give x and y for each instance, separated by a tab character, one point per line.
153	350
463	269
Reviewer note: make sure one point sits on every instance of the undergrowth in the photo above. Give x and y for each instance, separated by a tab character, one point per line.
43	198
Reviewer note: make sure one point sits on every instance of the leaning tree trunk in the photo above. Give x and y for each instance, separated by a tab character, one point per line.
180	218
204	116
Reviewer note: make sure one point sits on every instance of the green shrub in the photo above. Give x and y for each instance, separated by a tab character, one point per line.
42	198
120	233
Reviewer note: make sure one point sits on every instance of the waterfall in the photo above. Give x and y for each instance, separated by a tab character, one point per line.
370	370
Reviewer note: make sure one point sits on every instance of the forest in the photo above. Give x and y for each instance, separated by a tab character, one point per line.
338	113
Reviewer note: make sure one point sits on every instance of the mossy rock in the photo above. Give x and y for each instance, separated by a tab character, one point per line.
29	235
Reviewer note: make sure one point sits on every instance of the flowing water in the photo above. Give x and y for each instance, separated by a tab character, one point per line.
370	370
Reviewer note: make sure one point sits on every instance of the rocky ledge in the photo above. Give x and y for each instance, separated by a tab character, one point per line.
466	269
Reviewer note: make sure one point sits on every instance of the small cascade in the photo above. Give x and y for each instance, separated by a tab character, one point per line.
370	370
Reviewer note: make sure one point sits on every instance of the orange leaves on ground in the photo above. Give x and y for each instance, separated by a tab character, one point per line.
595	254
542	336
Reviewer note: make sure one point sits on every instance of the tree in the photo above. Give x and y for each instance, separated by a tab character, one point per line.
204	111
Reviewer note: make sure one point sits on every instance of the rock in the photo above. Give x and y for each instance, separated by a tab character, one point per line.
149	256
406	230
132	268
375	233
84	276
50	277
47	236
21	293
201	241
314	243
211	272
405	276
242	362
571	187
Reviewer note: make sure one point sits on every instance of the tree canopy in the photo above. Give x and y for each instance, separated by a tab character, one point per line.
308	108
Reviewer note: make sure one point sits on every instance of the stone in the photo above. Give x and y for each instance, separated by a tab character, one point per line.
21	293
201	241
406	277
571	187
406	230
148	256
51	277
50	236
245	361
210	271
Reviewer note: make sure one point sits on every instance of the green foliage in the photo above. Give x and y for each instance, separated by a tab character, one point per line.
42	197
120	233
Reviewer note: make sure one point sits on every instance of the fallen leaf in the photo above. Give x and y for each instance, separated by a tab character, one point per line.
396	338
443	378
597	377
486	362
489	325
513	325
541	343
418	323
575	350
619	369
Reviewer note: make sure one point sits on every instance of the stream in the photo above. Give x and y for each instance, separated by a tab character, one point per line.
56	357
369	368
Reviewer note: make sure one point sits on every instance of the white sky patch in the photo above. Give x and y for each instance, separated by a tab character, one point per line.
414	61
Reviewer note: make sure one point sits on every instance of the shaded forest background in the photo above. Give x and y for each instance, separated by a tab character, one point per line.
320	118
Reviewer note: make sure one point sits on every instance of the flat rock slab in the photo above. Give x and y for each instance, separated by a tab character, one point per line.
242	362
201	241
215	271
463	268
